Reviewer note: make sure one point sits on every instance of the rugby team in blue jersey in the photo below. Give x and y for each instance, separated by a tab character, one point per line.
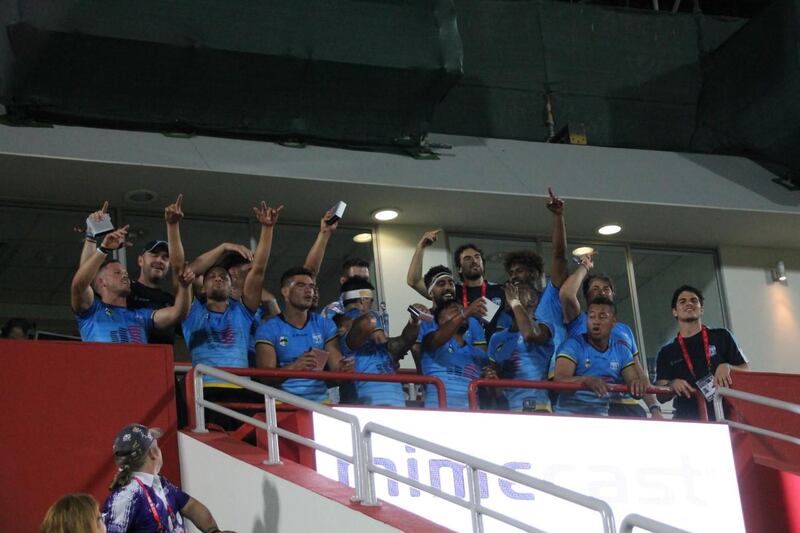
538	333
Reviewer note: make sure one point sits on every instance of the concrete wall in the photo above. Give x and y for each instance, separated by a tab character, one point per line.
764	316
245	498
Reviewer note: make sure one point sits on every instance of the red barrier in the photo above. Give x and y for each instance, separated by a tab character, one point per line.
333	376
472	390
62	404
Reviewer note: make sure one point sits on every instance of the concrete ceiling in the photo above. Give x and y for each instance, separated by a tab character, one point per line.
40	181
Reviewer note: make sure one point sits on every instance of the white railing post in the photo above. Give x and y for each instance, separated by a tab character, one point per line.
474	488
199	398
273	449
370	498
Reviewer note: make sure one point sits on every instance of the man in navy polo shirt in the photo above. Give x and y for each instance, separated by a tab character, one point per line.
697	353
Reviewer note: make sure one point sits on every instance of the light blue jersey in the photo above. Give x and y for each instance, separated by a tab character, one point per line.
455	365
218	339
372	358
111	323
589	361
548	310
291	342
518	359
620	333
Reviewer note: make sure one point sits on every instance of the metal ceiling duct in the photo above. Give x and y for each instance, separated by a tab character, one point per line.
367	72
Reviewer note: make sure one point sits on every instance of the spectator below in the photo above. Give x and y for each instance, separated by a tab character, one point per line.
593	359
364	339
17	328
217	330
524	350
698	358
453	346
73	513
108	318
594	286
294	339
141	499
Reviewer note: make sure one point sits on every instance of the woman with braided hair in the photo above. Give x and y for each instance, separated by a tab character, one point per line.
141	500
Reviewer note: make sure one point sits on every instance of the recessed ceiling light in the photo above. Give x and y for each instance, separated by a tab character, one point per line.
583	250
385	214
610	229
362	238
140	196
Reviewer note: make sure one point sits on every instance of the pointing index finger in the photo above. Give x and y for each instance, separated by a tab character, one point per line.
179	200
104	209
550	192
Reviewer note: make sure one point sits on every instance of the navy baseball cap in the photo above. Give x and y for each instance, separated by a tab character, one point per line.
154	246
134	440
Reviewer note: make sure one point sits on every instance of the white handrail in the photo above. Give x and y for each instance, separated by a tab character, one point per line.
473	465
637	520
758	399
271	394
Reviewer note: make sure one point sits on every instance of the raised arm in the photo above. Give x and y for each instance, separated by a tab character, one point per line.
568	294
169	317
89	242
360	330
531	331
400	345
446	331
414	276
317	251
251	293
173	216
558	268
81	294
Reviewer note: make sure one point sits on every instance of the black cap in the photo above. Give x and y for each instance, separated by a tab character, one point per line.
134	440
156	245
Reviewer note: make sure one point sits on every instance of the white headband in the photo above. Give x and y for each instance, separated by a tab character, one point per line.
358	293
437	277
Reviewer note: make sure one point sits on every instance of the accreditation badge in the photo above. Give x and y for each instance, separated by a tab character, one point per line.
707	387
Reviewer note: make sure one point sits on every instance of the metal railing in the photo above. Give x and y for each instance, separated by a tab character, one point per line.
474	464
362	460
280	373
272	394
636	520
472	390
723	392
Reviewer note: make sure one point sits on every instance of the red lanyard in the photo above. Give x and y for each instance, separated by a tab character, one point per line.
153	509
464	293
686	357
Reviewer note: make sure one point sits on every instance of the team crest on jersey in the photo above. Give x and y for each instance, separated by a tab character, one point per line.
499	347
108	311
316	338
587	363
283	341
614	365
712	350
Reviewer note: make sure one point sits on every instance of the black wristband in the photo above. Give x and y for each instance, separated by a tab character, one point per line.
103	250
654	407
